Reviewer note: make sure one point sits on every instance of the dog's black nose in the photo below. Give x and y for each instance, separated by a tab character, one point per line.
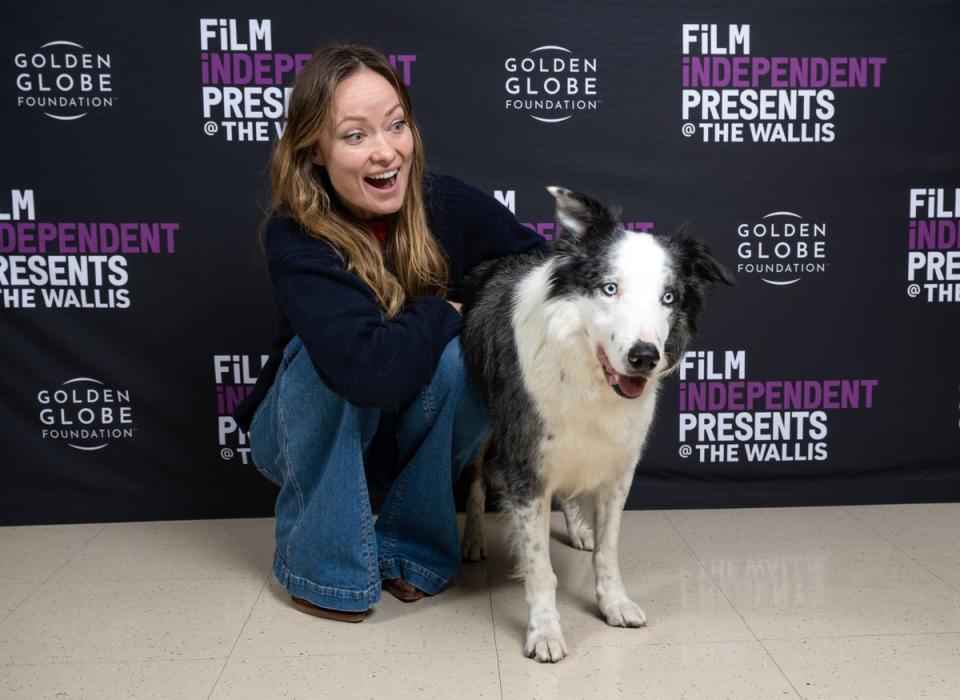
643	356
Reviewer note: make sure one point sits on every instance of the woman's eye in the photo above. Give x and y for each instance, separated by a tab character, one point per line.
398	126
610	289
354	137
667	298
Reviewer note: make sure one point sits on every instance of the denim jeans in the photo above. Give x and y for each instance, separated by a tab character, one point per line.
310	441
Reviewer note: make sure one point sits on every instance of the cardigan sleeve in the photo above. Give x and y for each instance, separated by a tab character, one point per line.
369	361
488	228
511	237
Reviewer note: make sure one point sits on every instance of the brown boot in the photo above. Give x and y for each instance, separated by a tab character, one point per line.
305	606
403	590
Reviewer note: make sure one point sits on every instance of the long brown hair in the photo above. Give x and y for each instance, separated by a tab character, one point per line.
413	264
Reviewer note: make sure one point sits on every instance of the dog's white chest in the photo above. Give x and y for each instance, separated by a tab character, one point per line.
590	435
580	454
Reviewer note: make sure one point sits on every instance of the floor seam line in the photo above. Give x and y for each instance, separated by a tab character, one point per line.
878	533
236	641
16	607
493	626
77	553
902	551
735	609
50	577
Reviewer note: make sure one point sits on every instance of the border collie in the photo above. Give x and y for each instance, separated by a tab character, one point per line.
569	349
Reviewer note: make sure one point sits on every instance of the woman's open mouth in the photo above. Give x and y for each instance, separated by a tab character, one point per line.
383	181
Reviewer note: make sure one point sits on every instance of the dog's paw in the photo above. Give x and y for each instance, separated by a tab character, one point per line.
623	612
545	647
581	537
473	548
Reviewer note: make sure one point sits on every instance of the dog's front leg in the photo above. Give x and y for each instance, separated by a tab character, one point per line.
616	607
532	527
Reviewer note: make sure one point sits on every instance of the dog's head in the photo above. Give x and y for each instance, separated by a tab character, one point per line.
639	295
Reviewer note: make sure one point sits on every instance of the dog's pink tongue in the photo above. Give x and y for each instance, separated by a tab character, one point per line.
632	386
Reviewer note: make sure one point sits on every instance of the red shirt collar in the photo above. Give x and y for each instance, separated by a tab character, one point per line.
380	228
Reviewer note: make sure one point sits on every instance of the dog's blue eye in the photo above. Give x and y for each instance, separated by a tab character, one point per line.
610	289
667	299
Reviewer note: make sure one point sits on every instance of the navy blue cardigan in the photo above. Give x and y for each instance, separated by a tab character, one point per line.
369	361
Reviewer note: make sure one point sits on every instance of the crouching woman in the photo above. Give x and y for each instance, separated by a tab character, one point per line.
366	255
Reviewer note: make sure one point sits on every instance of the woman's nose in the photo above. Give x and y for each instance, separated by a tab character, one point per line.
382	150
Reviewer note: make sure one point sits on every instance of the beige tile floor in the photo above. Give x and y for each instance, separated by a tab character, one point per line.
857	602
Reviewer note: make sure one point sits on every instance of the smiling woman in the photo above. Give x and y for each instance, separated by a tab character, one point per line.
366	254
350	118
367	148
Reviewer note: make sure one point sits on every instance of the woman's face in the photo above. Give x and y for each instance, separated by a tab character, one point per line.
367	138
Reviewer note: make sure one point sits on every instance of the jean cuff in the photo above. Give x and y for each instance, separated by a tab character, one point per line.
329	597
414	574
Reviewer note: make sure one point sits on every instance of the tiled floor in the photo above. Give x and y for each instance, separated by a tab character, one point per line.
767	603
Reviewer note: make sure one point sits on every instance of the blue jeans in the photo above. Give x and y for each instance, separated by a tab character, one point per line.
310	441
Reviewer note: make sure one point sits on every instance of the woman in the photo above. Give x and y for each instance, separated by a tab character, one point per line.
366	254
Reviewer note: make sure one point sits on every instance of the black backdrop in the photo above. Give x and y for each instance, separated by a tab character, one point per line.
135	308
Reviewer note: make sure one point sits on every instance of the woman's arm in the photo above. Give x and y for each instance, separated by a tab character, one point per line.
485	227
369	361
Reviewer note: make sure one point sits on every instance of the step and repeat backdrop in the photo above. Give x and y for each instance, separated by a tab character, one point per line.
813	145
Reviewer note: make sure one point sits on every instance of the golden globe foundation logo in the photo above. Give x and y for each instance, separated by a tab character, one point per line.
64	80
781	248
85	414
551	84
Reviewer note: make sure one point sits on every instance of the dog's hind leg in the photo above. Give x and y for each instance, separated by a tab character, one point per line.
616	607
531	524
473	546
578	527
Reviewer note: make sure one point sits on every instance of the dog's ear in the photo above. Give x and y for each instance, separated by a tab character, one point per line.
696	260
699	272
580	214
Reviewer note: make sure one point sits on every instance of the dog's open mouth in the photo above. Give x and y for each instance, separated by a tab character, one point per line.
628	387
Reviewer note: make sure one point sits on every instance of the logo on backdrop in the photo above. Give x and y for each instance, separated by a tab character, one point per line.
732	96
243	78
724	417
551	84
933	257
70	265
85	413
782	247
234	377
550	230
64	80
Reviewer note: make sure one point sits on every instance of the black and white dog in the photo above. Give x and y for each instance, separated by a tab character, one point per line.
569	349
